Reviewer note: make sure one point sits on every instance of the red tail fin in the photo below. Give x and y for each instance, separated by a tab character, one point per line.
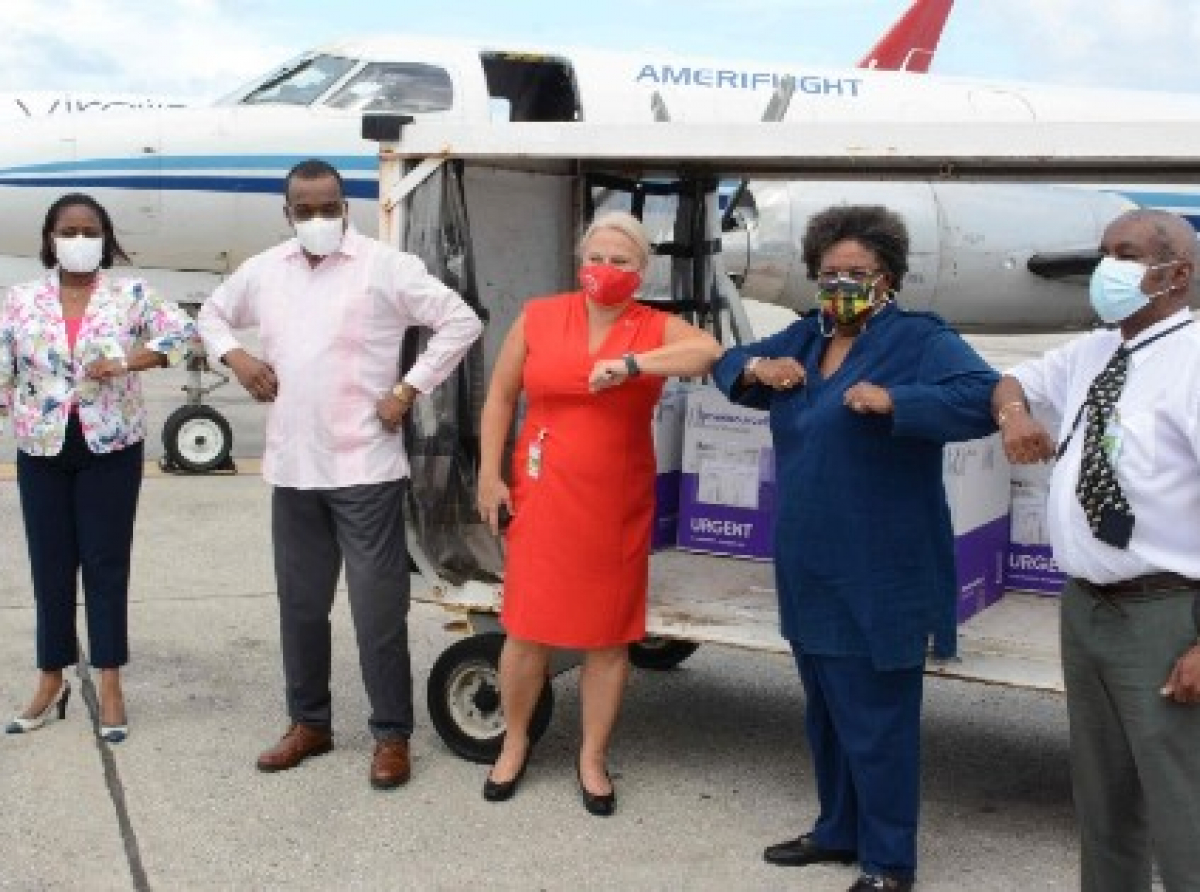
910	43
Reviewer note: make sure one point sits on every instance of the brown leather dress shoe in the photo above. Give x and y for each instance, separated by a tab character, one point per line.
300	742
390	766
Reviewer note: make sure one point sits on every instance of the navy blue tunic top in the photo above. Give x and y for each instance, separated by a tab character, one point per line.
864	549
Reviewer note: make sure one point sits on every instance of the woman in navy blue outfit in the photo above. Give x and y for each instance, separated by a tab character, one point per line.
862	396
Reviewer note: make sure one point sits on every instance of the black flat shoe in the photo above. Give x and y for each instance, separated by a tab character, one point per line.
502	791
600	805
803	850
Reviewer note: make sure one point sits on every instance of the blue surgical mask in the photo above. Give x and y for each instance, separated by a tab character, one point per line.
1116	288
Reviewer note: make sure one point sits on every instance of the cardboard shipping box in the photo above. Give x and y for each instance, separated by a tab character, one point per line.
728	495
1031	565
727	491
976	476
667	430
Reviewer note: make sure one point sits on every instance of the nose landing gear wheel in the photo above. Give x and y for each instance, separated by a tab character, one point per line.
197	439
463	696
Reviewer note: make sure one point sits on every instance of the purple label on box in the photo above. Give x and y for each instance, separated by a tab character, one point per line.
665	529
724	529
1032	568
979	558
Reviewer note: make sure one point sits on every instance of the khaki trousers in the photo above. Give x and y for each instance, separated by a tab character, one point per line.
1135	755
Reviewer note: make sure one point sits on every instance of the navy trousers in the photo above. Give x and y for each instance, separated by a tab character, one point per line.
79	509
864	730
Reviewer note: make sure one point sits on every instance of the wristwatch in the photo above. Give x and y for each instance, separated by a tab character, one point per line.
631	366
405	392
751	364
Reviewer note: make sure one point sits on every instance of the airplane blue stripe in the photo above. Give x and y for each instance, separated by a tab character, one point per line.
355	188
246	185
1163	199
195	162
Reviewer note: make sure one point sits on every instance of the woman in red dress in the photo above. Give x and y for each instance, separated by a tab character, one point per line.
582	488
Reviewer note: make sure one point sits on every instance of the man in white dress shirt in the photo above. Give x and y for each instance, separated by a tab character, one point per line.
1129	608
332	307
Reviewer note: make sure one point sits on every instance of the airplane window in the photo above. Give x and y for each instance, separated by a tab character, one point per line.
396	87
303	84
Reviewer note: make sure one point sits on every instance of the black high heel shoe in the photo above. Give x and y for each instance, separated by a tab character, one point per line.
502	791
600	805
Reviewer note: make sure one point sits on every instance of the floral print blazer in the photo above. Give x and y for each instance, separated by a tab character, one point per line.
40	378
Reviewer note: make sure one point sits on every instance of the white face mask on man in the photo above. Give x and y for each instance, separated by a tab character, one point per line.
79	254
1116	288
321	236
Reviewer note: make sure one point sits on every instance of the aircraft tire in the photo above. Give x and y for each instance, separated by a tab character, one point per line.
197	439
463	696
660	653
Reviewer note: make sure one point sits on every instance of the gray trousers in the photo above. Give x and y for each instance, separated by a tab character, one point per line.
314	531
1135	756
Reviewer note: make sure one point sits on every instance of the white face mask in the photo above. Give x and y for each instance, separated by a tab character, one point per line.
321	236
1116	288
80	254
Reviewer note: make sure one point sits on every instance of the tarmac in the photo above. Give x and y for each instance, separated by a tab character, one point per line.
709	759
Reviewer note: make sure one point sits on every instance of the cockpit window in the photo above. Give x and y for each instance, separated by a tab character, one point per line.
302	84
396	87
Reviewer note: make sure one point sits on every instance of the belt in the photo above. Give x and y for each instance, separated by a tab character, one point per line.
1140	585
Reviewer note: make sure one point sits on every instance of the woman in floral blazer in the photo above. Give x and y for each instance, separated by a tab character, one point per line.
70	347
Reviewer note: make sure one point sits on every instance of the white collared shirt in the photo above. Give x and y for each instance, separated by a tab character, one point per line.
1158	461
333	334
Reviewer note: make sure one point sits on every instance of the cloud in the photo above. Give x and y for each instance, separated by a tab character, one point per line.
198	48
205	48
1137	43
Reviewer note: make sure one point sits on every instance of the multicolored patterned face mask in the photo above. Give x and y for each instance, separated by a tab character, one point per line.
845	300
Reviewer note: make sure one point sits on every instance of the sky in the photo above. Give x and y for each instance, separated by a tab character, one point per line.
202	49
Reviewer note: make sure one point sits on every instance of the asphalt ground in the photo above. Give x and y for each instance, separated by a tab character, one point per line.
709	760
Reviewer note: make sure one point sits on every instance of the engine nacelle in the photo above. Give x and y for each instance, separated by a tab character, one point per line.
970	247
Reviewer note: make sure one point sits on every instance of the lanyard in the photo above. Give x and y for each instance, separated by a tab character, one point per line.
1062	447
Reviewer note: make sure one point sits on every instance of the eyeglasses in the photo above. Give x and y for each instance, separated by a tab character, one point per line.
302	213
830	277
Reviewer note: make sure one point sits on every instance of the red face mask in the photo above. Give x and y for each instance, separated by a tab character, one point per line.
607	285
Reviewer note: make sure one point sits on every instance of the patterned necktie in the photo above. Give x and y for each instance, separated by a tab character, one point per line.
1108	514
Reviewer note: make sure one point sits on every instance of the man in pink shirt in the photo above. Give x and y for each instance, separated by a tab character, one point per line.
332	307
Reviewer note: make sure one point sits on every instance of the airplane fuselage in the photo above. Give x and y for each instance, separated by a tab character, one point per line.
201	188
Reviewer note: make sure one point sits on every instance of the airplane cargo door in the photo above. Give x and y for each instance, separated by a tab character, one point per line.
120	166
122	169
530	87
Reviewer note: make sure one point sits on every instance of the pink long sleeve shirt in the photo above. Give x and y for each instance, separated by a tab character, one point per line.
333	333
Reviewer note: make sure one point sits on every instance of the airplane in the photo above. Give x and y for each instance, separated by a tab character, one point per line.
909	45
199	189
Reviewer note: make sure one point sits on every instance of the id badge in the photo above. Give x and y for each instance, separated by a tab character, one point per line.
533	461
1111	441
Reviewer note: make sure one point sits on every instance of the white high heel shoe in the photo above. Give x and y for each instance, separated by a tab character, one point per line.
22	725
113	733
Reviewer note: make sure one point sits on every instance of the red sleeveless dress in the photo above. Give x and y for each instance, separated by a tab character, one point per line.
577	563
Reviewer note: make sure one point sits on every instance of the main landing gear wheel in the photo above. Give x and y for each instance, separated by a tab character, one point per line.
660	653
197	439
463	696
